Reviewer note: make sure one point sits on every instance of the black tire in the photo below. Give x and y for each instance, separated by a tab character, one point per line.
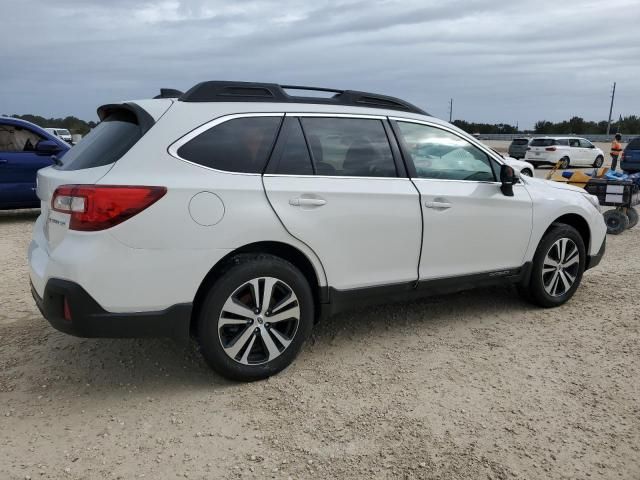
599	161
526	172
564	162
535	291
632	214
240	271
617	222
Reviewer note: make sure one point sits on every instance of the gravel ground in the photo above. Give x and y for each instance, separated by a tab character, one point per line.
471	386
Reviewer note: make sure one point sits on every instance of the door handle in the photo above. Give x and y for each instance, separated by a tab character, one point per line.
440	205
307	202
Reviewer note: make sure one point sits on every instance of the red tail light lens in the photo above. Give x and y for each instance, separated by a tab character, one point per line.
550	149
98	207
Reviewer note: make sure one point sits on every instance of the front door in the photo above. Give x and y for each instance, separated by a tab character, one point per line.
334	184
470	226
19	164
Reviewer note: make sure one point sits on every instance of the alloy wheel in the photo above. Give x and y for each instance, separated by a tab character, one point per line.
259	321
560	267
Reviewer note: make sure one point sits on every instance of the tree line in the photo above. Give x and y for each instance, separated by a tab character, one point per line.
73	124
575	125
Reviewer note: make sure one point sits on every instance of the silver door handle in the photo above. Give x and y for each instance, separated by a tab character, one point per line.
307	202
442	205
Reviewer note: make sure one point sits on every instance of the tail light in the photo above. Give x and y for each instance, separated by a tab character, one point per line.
550	149
98	207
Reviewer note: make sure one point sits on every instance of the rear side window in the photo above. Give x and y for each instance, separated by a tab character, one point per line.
241	145
105	144
291	155
350	147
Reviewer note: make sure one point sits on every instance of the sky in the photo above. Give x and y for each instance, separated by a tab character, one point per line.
500	61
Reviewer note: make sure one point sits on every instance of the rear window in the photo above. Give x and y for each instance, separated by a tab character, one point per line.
105	144
634	144
241	145
520	141
542	142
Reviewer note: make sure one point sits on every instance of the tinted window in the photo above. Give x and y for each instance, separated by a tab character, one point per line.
585	143
240	145
520	141
574	142
542	142
291	156
110	140
439	154
353	147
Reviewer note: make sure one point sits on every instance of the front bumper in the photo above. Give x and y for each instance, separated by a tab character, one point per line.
88	319
594	260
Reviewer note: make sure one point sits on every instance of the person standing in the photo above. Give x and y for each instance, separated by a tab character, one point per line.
616	150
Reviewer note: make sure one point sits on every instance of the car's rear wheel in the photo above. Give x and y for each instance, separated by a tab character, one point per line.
632	215
599	161
557	269
564	162
255	317
617	222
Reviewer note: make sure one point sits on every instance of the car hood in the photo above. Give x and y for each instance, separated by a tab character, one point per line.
551	184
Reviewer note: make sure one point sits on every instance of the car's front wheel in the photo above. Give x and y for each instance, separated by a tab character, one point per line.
527	172
557	269
599	161
255	317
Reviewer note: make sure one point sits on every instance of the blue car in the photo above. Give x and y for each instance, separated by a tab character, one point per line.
631	156
25	148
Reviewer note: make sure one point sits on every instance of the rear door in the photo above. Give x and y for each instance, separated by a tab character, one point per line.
19	164
470	227
337	185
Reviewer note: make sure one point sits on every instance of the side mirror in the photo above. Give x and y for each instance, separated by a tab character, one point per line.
47	147
508	178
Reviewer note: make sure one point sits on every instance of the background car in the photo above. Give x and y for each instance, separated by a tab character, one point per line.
25	148
569	151
525	168
630	161
518	147
61	133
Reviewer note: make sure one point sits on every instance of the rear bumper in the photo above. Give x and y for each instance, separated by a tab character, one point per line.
90	320
594	260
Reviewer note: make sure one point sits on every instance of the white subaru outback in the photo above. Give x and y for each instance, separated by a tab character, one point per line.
242	213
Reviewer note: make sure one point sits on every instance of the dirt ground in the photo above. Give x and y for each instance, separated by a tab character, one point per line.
472	386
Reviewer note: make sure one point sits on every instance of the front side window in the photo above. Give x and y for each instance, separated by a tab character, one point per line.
17	139
439	154
585	143
239	145
351	147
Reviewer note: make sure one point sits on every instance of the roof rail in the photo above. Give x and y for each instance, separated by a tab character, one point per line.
226	91
169	93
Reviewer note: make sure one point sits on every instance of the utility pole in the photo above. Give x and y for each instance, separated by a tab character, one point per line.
450	110
613	94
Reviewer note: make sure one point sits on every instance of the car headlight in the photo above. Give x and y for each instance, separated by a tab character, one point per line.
593	200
